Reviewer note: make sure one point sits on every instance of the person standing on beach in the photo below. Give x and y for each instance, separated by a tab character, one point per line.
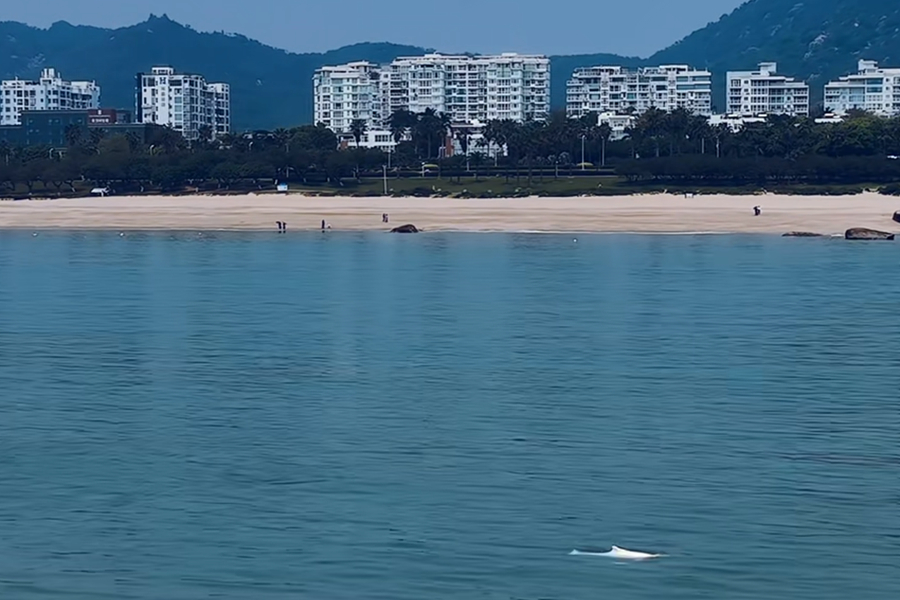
757	211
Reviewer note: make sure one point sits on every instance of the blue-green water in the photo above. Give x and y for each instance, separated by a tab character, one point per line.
446	416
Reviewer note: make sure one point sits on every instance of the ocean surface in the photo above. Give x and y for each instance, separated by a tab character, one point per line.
446	416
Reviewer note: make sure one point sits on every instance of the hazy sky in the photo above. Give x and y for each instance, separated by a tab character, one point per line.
631	27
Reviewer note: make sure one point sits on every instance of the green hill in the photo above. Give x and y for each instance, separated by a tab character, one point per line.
273	88
270	87
816	41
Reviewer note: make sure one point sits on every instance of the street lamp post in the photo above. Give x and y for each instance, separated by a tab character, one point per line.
582	151
384	170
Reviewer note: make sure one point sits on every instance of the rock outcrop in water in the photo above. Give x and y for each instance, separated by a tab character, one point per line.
405	229
861	233
897	216
801	234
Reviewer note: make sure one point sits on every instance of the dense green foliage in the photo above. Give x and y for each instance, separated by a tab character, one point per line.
663	150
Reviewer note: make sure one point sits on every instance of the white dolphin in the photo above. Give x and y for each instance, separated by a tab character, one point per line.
620	553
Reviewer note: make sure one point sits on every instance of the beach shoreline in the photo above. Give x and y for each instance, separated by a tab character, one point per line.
646	213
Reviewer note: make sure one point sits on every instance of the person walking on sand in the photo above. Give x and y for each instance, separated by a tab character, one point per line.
757	211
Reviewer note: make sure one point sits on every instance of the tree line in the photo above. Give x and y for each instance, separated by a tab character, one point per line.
659	147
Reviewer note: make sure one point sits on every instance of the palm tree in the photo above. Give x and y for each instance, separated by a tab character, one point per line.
719	133
677	126
699	129
283	138
358	129
73	135
651	125
604	132
589	130
205	133
400	122
430	125
446	126
462	136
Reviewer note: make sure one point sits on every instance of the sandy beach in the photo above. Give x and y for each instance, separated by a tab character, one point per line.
641	213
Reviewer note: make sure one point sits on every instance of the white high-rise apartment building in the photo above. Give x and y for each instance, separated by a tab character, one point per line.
871	89
508	86
766	92
220	108
186	103
50	92
347	93
467	88
618	90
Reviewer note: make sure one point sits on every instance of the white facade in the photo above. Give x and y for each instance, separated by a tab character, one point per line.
186	103
347	93
618	124
221	101
871	89
616	89
508	86
468	89
735	122
378	139
764	91
50	92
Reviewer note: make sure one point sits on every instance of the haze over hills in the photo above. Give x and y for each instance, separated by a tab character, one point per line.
272	88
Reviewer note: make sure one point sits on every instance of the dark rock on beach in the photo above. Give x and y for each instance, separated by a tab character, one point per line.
405	229
861	233
897	216
801	234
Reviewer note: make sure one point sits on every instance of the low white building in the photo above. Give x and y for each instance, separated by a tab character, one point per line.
872	89
184	102
829	119
764	91
50	92
379	139
617	89
735	122
619	124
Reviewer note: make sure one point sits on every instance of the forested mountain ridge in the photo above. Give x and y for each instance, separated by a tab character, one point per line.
273	88
813	41
269	87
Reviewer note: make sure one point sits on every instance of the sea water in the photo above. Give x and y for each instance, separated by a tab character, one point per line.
446	416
